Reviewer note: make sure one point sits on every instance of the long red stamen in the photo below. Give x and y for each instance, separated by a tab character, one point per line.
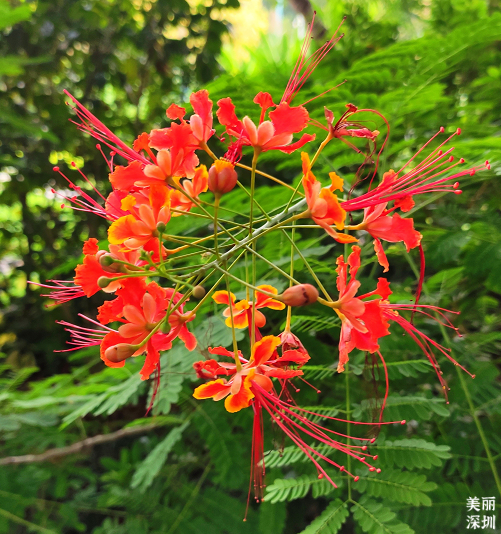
82	337
94	127
63	291
304	67
423	178
82	201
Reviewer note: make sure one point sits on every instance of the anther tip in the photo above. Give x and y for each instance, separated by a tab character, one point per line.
364	448
98	146
356	479
473	376
378	470
461	160
442	129
373	440
55	169
375	457
320	476
342	468
73	164
403	422
458	131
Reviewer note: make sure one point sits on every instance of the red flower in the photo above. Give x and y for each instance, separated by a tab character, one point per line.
141	308
242	310
380	224
252	386
362	323
274	134
146	210
88	273
194	187
201	121
323	204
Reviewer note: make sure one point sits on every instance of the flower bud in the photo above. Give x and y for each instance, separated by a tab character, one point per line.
119	353
107	262
198	292
222	177
103	282
299	295
161	226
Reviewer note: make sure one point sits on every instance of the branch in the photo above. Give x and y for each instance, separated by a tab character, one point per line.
77	447
270	225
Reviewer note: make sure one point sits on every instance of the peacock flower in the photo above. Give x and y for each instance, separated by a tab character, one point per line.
252	386
141	307
145	213
362	323
323	204
274	134
242	310
193	188
381	224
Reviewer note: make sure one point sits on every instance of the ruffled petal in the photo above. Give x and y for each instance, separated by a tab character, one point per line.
206	391
91	246
125	177
287	119
264	349
221	297
380	255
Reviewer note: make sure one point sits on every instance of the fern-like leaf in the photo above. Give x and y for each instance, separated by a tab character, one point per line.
400	486
330	520
374	518
289	489
412	453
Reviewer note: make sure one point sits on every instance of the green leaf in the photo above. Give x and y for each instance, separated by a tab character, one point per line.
412	453
374	518
330	520
272	518
153	463
399	486
289	489
10	16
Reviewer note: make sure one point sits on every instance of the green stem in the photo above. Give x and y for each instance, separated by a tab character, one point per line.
216	206
235	346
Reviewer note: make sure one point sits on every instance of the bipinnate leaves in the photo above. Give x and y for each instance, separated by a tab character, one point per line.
374	518
330	520
153	463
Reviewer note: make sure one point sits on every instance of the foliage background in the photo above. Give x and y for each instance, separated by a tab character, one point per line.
424	64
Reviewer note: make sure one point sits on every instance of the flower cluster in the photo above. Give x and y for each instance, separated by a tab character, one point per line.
160	178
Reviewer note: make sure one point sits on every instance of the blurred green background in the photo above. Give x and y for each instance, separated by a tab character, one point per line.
423	64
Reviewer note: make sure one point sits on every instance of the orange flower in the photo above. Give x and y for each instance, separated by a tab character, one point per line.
362	323
257	370
136	229
323	204
193	187
242	310
88	273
